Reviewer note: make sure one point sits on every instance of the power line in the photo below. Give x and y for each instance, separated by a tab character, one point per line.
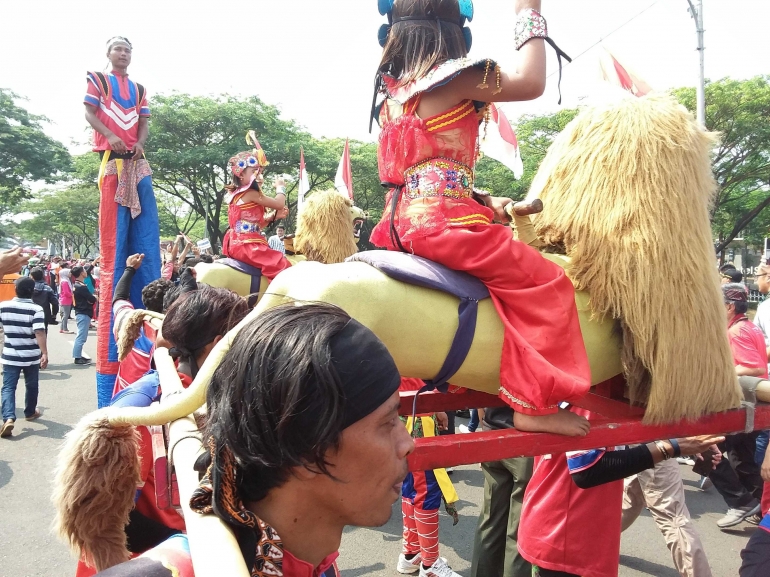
610	34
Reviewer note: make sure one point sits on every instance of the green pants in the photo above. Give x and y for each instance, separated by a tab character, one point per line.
495	553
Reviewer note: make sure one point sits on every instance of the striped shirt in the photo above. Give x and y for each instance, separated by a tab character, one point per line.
119	111
21	319
276	243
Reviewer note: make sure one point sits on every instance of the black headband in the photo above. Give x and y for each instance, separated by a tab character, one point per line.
366	369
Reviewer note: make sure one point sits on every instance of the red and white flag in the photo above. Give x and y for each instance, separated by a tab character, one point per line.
501	142
615	73
304	183
343	182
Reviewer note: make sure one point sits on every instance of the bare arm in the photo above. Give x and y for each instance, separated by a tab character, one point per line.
143	132
185	250
277	202
525	83
742	371
42	342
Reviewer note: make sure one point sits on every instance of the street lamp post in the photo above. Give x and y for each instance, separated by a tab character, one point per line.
700	89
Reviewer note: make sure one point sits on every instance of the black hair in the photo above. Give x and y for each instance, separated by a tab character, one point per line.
741	307
198	317
76	272
276	401
414	47
25	286
37	274
154	293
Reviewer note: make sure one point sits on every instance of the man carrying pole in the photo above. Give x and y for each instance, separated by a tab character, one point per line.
116	108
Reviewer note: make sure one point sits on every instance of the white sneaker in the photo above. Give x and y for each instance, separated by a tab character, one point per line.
685	461
408	566
735	516
463	428
438	569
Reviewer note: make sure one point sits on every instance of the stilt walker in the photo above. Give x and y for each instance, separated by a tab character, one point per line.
116	108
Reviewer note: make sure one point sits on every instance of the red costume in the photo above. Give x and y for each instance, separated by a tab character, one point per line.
430	162
244	240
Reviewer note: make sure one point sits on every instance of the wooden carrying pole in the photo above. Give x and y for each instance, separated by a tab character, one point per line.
213	546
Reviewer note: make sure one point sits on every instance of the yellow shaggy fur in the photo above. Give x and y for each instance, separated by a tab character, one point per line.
330	212
627	190
96	478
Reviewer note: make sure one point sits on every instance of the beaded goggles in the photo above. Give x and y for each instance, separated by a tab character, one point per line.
249	159
386	9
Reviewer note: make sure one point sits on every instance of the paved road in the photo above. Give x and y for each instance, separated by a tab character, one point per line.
27	547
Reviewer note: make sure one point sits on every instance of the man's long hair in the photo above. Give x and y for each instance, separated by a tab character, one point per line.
276	401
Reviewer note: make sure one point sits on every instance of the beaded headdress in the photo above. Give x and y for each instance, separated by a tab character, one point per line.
255	158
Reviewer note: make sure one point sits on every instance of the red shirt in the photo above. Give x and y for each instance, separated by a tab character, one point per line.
566	528
747	343
119	110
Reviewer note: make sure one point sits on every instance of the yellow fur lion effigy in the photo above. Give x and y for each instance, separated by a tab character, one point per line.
627	190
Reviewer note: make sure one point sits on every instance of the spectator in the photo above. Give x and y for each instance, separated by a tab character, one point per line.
731	275
571	517
65	299
25	350
495	550
276	241
740	484
45	298
762	320
12	261
84	310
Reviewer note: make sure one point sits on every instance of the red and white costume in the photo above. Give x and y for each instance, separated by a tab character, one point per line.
432	161
244	240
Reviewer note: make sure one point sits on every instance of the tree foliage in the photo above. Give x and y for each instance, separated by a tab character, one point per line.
740	112
26	153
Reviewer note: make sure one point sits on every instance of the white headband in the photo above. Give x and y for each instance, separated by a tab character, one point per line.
118	40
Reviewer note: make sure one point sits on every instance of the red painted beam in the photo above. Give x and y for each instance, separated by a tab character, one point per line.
452	450
434	402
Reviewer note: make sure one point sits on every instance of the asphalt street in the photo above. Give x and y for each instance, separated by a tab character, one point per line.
67	392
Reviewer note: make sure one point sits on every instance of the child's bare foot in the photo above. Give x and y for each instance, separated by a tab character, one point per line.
562	423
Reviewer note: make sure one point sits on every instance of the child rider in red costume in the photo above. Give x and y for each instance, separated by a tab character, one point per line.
434	101
250	211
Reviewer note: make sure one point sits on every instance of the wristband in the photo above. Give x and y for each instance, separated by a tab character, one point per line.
677	449
530	24
280	189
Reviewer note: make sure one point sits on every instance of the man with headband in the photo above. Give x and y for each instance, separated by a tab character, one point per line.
116	108
303	439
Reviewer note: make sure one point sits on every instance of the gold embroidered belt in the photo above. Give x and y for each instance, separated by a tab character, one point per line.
439	177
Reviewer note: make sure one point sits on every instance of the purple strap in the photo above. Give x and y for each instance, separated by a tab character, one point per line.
256	274
420	271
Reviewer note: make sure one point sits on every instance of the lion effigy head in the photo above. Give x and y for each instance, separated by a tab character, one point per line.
627	190
328	227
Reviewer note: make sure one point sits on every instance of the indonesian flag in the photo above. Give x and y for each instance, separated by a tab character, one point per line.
615	73
501	142
304	183
343	182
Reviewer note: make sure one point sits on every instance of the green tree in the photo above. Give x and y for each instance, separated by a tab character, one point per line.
192	138
535	134
68	218
26	153
740	112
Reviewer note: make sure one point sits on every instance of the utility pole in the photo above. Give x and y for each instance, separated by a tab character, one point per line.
700	88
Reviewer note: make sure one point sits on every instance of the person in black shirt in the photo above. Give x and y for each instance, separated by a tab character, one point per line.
45	298
84	310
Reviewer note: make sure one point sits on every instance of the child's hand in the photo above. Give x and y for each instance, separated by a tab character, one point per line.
442	421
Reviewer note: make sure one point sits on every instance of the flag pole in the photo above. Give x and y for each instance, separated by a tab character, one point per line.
700	88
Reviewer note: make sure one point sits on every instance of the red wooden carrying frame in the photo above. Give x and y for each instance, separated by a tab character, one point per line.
619	424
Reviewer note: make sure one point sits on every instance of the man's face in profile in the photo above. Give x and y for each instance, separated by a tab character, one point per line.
369	468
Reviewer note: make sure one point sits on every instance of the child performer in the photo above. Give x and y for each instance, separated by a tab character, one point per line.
435	99
421	495
250	210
